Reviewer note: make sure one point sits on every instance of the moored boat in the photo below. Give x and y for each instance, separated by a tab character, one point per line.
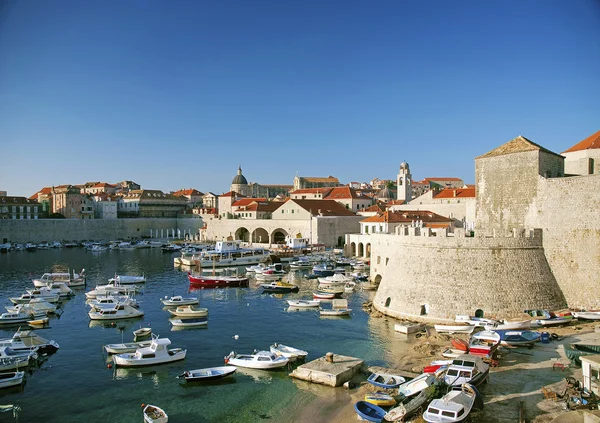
304	303
117	312
279	287
287	351
335	311
194	322
154	414
156	353
126	347
178	300
127	279
27	339
385	380
369	412
210	373
189	311
211	281
9	379
264	360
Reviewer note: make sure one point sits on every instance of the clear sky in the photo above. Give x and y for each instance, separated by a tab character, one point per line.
177	94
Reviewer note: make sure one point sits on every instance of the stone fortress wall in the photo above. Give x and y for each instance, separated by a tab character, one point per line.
437	277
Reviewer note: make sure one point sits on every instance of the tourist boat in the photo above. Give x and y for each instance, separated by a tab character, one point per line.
260	360
191	323
518	337
335	311
323	295
575	351
117	312
477	321
156	353
416	385
467	368
369	412
586	315
11	379
154	414
189	311
71	279
127	346
484	343
304	303
288	352
456	328
204	280
178	300
142	333
279	287
127	279
405	410
385	381
210	373
230	253
380	399
26	340
14	318
455	406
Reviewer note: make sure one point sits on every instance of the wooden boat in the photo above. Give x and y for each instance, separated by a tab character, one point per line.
212	281
287	351
189	311
210	373
586	315
369	412
154	414
178	300
279	287
304	303
456	328
156	353
127	279
455	406
575	351
385	381
9	379
264	360
405	410
335	311
142	333
380	399
518	337
192	323
460	344
467	368
323	296
416	385
126	347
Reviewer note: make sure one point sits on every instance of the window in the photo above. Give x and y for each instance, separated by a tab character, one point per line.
378	259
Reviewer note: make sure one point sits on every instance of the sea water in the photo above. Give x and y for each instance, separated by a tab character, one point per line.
79	384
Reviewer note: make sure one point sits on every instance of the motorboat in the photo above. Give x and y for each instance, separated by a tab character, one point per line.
484	343
324	269
331	289
406	409
126	347
127	279
380	399
178	300
230	253
10	359
257	268
26	340
71	279
335	279
264	360
335	311
455	406
518	337
111	301
279	287
154	414
477	321
37	306
9	379
156	353
111	289
210	373
385	381
288	352
416	385
586	315
27	297
369	412
301	264
189	311
304	303
117	312
456	328
204	280
467	368
194	322
14	318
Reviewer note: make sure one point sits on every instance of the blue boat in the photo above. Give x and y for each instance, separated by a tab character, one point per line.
323	269
370	412
385	381
518	337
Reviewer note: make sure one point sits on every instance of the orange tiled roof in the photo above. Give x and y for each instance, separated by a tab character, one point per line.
593	141
323	191
246	201
317	179
341	192
104	185
456	193
441	179
408	216
375	208
325	207
190	191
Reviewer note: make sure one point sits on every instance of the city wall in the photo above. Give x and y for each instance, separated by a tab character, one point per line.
36	231
433	278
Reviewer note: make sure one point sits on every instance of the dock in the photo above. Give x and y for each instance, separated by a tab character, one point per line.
331	370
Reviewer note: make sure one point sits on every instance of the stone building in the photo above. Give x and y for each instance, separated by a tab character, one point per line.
303	182
12	207
404	183
192	196
150	203
584	157
239	184
71	203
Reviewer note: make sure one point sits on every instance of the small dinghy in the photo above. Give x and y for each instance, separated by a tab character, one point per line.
369	412
210	373
287	351
37	323
178	300
304	303
518	337
460	344
11	379
126	347
385	381
142	333
264	360
154	414
190	323
416	385
405	410
127	279
380	399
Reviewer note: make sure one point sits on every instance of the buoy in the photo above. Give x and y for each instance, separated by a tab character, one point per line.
143	405
236	337
109	366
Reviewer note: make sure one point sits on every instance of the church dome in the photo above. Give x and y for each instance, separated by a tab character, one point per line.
403	165
239	179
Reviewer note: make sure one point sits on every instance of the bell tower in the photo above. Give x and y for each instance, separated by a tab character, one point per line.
404	183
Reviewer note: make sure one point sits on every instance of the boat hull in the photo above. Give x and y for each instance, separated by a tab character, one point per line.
211	373
216	281
126	360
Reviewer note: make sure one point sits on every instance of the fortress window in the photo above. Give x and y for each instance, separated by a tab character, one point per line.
387	260
388	301
378	259
424	309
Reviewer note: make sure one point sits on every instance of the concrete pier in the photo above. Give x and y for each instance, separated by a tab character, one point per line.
335	373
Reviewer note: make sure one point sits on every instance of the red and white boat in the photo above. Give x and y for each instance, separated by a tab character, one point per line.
484	343
213	281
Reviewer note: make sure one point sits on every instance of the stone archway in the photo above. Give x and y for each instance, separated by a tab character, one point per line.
242	234
353	249
361	250
377	280
278	236
260	236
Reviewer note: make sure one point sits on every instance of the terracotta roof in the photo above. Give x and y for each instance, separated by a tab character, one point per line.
375	208
247	201
395	202
43	191
593	141
104	185
229	194
408	216
323	191
324	207
516	145
341	192
456	193
320	179
263	206
190	191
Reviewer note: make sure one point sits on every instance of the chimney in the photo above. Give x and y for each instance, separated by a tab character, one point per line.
454	193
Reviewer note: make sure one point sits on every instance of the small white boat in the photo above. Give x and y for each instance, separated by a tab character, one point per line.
192	323
210	373
335	279
178	300
467	368
288	352
304	303
416	385
26	340
477	321
36	306
11	379
36	323
156	353
154	414
110	289
27	297
117	312
455	406
457	328
126	347
335	311
260	360
142	333
385	381
14	318
586	315
189	311
111	301
513	324
127	279
452	353
71	279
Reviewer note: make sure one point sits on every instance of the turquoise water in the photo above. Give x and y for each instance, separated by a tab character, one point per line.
76	385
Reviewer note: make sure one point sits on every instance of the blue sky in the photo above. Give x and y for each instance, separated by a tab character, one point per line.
178	94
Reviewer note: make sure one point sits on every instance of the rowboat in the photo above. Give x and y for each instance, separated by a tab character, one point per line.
260	360
142	333
403	411
154	414
287	351
518	337
38	322
586	315
456	328
304	303
380	398
210	373
126	347
369	412
195	322
11	379
189	311
385	381
460	344
416	385
178	300
335	312
323	295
